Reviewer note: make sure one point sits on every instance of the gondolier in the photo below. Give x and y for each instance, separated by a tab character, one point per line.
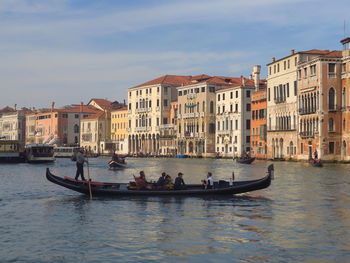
80	164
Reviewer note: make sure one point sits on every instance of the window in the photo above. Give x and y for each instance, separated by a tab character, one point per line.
295	88
218	110
236	94
129	106
180	93
313	70
268	94
331	70
211	107
203	89
301	148
231	95
247	139
157	102
287	88
76	116
331	99
236	123
236	107
248	93
211	128
218	97
331	148
223	96
248	106
165	120
76	128
330	125
165	103
248	124
218	126
165	90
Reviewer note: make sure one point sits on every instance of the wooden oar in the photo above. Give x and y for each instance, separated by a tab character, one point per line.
90	192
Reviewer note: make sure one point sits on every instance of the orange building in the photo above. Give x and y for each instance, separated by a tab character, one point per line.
258	124
345	78
319	106
61	126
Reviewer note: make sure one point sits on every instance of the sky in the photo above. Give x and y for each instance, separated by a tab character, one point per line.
68	51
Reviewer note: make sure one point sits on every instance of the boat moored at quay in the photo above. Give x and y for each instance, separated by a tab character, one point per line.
10	152
39	153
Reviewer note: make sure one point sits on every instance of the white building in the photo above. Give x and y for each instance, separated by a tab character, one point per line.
12	126
233	111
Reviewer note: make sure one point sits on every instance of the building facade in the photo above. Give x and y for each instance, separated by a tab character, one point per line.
168	133
282	111
95	133
320	106
259	124
149	108
345	83
12	126
233	120
119	130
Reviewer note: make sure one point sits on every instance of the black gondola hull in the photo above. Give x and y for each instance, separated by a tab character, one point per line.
116	189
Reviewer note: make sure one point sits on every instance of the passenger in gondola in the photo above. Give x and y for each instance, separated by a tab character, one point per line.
80	160
179	182
161	180
169	182
209	182
141	181
315	154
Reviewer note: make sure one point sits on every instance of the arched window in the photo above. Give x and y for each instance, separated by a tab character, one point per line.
331	99
331	125
343	104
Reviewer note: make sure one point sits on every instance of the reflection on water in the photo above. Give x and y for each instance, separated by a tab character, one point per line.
304	216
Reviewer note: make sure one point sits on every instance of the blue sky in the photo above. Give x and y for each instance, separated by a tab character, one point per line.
70	51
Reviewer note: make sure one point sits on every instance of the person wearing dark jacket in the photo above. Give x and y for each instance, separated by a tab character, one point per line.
179	182
161	181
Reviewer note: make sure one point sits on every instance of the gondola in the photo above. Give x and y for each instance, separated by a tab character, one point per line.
122	189
247	160
115	165
316	162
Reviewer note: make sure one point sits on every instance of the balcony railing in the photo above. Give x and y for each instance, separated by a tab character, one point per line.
277	128
307	111
280	100
141	129
307	134
166	126
143	110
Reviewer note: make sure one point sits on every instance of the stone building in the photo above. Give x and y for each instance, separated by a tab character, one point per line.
168	133
282	111
320	106
345	83
148	109
233	120
119	130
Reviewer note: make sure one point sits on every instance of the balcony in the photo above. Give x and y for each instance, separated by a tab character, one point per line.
191	96
166	126
281	129
190	115
280	100
140	110
307	134
142	129
223	132
307	111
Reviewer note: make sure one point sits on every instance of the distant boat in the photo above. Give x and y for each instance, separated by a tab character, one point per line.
316	162
10	152
181	156
247	160
115	165
123	189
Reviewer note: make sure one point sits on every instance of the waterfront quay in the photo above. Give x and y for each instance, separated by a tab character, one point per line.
302	217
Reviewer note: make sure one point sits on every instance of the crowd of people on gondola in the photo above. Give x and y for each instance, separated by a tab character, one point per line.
166	182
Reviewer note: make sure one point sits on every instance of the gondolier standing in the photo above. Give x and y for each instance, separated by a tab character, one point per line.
80	164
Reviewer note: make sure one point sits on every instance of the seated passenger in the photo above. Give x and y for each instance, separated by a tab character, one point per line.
141	181
209	182
169	182
179	182
161	180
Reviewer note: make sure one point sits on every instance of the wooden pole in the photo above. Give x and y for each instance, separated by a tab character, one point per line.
89	180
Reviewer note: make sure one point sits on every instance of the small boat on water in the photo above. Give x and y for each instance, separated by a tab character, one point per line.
316	162
245	160
115	165
181	156
122	189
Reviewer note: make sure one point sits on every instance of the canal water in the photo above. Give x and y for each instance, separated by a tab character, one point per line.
303	217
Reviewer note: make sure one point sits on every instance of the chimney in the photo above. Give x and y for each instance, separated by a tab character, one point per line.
81	106
52	105
292	52
243	81
256	76
124	103
15	106
273	59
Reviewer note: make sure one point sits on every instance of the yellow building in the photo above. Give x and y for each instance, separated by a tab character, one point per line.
119	130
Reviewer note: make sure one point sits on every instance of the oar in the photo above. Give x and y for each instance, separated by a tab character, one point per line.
90	192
